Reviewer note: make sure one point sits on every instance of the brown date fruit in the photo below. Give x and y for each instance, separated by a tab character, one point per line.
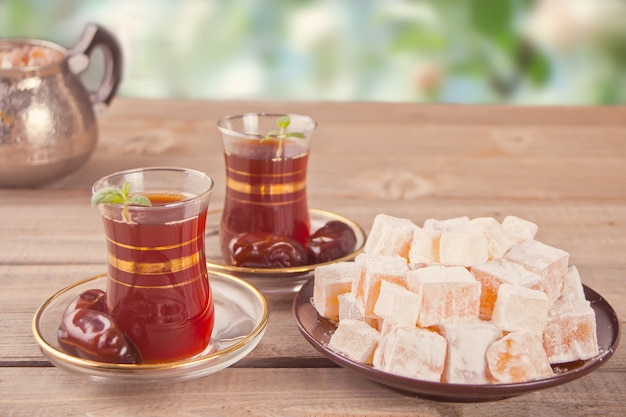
91	299
92	334
266	250
332	241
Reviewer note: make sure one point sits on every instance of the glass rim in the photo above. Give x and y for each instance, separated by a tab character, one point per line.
228	131
186	201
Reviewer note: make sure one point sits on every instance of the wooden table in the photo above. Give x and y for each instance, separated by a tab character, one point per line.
562	168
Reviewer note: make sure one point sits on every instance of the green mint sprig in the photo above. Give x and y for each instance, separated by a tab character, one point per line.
283	123
113	195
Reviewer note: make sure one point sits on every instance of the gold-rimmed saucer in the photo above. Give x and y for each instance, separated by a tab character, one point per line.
271	280
241	315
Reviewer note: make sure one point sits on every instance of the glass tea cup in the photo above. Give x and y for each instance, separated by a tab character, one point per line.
266	176
157	288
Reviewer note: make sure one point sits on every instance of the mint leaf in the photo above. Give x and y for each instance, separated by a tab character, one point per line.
109	195
112	195
283	123
126	189
138	200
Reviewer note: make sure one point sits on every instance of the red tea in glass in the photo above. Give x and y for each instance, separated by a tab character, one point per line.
158	289
265	178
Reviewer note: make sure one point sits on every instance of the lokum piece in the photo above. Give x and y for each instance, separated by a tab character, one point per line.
520	229
448	294
413	352
390	236
424	246
500	271
349	309
397	305
384	329
330	281
573	291
464	246
549	262
498	237
518	357
374	270
354	339
570	333
518	308
466	362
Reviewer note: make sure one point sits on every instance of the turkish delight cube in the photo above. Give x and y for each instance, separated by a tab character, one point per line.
466	362
573	291
492	274
570	333
354	339
518	308
398	305
448	294
349	309
518	357
520	229
463	247
549	262
390	236
498	237
413	352
374	270
330	281
424	248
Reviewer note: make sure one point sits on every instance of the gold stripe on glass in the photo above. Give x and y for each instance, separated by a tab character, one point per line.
146	248
265	203
154	268
164	286
268	175
265	189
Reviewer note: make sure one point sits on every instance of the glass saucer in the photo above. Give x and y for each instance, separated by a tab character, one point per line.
274	280
241	315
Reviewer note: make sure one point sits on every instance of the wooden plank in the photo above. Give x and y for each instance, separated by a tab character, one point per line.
283	392
129	110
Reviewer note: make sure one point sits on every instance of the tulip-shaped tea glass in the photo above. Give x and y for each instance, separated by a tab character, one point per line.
266	158
157	286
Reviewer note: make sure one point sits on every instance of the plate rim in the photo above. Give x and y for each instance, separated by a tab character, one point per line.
49	351
455	392
293	270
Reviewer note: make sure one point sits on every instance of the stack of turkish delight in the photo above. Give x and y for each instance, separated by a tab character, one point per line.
470	301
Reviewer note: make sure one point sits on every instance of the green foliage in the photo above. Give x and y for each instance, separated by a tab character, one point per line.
359	50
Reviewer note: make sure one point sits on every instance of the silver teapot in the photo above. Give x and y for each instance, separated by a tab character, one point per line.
48	117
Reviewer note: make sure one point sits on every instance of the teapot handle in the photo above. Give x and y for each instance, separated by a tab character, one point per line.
95	36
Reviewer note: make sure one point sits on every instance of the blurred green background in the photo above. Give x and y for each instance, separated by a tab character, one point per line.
547	52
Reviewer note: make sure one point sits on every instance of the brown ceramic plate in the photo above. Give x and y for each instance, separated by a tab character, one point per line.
318	330
269	280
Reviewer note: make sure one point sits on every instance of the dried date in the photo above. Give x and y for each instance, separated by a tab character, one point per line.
266	250
87	331
332	241
93	299
91	334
